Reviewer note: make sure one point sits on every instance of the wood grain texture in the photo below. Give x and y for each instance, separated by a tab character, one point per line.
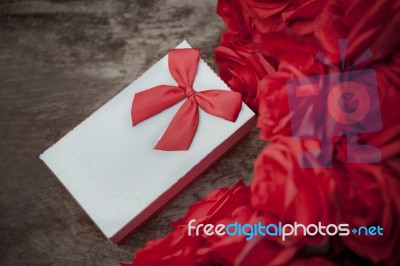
59	62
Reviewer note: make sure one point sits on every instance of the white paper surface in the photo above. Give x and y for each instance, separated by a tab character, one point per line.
110	166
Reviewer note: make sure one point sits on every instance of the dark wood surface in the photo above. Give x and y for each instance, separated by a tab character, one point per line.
59	62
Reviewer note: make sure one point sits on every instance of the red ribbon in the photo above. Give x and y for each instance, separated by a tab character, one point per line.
183	126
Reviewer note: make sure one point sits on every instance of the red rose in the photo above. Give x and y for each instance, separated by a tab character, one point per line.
265	15
282	47
365	24
294	17
274	113
315	261
288	193
387	140
368	195
178	248
242	67
217	205
244	17
236	21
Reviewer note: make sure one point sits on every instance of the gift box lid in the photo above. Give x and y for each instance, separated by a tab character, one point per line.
110	166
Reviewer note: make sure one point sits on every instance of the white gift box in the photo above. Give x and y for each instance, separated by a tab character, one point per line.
111	168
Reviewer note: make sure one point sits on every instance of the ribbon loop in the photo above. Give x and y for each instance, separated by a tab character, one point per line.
220	103
182	65
181	130
143	105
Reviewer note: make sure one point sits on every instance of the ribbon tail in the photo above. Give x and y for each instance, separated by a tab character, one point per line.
223	104
154	100
181	130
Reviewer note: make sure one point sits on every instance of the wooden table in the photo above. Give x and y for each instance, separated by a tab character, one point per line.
59	62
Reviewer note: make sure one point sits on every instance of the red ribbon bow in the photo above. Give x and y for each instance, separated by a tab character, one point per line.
183	126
